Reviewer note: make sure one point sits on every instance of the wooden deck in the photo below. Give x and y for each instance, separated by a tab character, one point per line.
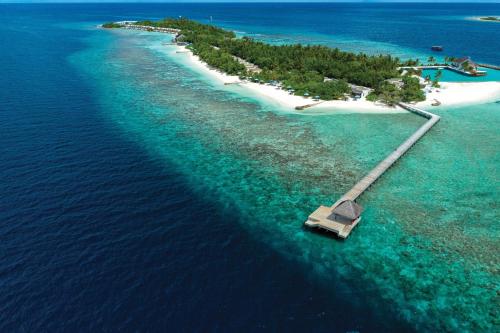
321	217
451	68
489	66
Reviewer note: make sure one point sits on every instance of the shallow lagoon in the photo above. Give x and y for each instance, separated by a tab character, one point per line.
425	246
137	192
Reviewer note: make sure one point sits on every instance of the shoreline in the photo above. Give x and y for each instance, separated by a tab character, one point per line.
276	95
450	94
481	19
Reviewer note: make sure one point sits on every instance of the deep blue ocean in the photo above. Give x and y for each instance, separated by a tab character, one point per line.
100	230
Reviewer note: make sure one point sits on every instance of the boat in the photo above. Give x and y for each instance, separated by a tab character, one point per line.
437	48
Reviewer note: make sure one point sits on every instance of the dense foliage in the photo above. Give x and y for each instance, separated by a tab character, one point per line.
490	18
305	70
217	58
389	94
111	25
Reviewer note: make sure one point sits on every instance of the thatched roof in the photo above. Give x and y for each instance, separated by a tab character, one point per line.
348	209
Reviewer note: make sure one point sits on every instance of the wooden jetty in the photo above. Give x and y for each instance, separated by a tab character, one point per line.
303	107
489	66
452	68
345	213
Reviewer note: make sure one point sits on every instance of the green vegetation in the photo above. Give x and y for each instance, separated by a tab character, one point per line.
302	69
111	25
490	18
217	58
411	91
389	94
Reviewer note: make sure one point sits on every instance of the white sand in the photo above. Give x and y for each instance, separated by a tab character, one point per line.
462	93
450	94
273	94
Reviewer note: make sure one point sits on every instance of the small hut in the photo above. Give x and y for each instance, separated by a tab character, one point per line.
346	212
359	91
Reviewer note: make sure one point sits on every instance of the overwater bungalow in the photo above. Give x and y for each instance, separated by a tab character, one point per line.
467	66
347	211
340	219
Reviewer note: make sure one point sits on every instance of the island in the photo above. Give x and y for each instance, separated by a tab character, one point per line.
490	18
311	71
327	75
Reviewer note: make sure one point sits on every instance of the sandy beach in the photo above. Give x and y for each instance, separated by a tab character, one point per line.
462	93
449	94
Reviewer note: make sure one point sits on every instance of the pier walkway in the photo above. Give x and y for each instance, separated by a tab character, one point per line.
489	66
345	213
451	68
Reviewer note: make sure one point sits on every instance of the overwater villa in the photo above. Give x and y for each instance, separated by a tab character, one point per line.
346	212
465	65
340	219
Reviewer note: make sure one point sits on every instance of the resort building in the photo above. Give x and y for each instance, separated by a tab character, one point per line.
179	40
346	212
465	64
396	82
359	91
340	219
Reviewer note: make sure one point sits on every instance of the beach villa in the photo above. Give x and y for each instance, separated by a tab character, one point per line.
359	91
396	82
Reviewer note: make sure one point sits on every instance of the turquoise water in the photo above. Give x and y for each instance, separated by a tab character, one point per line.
452	76
426	245
137	191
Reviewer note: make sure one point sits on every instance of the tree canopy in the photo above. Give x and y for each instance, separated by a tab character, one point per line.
305	69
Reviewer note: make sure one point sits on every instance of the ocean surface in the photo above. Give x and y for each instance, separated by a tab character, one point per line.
139	195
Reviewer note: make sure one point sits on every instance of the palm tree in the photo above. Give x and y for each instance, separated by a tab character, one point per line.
431	60
438	75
